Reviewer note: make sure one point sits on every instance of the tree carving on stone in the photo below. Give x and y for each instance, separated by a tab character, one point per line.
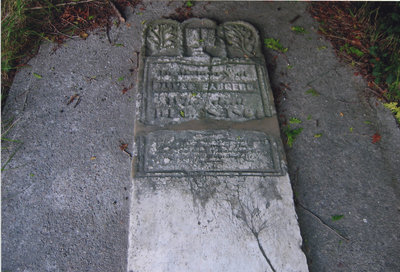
162	36
240	38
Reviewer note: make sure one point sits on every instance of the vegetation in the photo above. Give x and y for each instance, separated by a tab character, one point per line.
274	44
26	23
367	35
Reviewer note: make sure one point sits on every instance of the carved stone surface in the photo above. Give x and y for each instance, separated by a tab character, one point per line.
211	190
198	70
170	153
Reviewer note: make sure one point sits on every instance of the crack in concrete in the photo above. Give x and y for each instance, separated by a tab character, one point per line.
249	216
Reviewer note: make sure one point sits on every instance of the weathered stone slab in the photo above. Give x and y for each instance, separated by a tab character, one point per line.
219	224
211	190
221	152
199	70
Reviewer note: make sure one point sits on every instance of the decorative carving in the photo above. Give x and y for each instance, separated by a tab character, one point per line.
163	38
240	37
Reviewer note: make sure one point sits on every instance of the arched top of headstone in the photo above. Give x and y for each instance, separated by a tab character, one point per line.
201	37
241	39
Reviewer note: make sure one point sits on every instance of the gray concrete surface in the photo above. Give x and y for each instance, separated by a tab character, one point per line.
64	210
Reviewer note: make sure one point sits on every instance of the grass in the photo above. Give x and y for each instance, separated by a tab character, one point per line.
367	35
26	23
7	143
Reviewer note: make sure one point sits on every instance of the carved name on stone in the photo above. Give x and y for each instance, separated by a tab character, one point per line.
199	70
170	153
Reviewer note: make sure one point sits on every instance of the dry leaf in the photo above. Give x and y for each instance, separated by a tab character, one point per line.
376	138
83	35
123	146
72	98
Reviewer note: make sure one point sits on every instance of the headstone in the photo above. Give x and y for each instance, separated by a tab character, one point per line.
211	190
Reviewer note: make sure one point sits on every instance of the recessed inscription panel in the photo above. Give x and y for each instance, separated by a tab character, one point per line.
178	90
169	153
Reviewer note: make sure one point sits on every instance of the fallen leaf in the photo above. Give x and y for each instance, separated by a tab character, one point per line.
285	85
124	90
376	138
72	98
37	75
312	92
341	114
93	158
123	146
294	120
317	135
337	217
83	35
356	42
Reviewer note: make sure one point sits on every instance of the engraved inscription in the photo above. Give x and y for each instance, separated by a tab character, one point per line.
177	91
208	152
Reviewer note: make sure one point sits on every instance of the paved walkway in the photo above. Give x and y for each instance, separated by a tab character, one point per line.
65	193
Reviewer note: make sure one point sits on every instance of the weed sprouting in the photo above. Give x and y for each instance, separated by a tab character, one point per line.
291	134
274	44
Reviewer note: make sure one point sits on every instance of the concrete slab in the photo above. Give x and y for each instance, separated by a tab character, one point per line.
63	216
203	198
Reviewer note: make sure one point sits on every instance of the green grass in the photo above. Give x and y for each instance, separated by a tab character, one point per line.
394	107
20	36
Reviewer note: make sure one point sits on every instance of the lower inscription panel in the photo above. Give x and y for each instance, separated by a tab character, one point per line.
174	153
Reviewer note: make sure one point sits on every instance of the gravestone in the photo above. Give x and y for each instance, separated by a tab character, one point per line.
211	190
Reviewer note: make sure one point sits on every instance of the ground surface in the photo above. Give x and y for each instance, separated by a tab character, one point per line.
64	195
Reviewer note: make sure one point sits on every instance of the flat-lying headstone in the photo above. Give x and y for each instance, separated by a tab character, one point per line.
211	190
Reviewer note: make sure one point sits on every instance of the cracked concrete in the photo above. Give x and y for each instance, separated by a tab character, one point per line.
225	224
